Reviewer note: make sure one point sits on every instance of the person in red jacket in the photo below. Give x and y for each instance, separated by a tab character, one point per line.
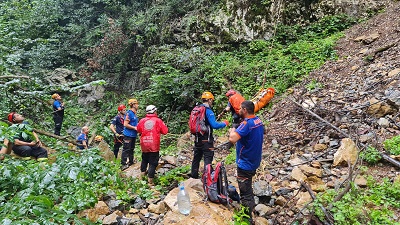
151	127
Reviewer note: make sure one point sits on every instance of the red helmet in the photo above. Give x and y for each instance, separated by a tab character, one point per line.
11	116
121	107
230	92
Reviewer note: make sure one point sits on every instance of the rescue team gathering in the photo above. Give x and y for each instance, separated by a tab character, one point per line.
247	133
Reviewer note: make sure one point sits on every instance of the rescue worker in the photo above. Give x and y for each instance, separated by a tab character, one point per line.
130	134
234	101
25	145
151	127
82	139
58	113
204	144
249	138
117	127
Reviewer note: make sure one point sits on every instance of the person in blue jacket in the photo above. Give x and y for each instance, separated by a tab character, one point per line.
130	133
82	139
58	113
249	141
204	144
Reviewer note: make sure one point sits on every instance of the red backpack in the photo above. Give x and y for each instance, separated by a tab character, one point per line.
197	120
215	184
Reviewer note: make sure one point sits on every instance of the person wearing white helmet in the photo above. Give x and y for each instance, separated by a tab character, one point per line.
151	127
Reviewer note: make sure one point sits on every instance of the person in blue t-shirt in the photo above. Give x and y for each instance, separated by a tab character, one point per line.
249	141
204	144
117	127
82	139
58	113
130	134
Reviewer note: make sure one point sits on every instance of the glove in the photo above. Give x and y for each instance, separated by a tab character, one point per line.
226	122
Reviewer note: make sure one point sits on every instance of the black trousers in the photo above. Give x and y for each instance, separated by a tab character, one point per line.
151	159
26	151
58	120
245	181
127	151
202	148
117	144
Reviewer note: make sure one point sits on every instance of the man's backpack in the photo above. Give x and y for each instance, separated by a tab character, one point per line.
197	120
215	184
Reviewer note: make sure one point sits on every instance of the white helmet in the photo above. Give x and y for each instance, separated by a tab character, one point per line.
151	109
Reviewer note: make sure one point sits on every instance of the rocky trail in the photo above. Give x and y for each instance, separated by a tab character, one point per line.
337	111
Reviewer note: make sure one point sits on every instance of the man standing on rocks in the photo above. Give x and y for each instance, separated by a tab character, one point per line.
249	138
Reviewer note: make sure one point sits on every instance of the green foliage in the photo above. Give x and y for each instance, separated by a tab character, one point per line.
32	191
240	217
231	158
313	85
370	206
172	177
371	155
393	145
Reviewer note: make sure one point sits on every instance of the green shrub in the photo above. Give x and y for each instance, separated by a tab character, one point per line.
393	145
371	155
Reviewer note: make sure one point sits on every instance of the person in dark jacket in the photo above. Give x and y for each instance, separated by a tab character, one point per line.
151	127
117	127
204	144
249	141
58	113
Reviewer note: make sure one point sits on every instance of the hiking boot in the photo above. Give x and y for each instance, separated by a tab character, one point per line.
151	182
124	167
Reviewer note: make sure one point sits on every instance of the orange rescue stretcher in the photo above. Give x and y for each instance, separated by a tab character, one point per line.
262	98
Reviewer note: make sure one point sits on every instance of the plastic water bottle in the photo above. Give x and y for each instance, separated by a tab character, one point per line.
184	204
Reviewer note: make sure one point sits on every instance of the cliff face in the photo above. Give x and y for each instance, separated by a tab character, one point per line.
241	21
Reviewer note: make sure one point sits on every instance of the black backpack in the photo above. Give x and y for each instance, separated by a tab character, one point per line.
215	185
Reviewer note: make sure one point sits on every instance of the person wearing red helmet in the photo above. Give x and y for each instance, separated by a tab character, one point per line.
117	127
25	145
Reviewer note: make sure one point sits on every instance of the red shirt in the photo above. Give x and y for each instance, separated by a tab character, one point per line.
151	127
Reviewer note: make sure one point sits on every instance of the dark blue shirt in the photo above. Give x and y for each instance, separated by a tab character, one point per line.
57	104
249	146
82	137
118	122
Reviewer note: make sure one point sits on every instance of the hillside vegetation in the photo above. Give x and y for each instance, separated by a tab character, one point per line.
123	42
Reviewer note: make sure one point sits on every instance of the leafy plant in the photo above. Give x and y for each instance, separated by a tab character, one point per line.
313	85
240	217
371	155
393	145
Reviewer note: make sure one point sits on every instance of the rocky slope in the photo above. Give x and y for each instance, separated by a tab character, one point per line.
355	97
337	111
